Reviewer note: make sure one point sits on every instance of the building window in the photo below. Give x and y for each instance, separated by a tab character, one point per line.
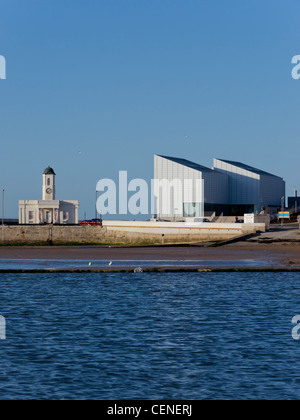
48	182
31	216
65	216
192	210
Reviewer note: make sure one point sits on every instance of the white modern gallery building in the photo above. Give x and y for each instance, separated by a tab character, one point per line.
48	210
186	189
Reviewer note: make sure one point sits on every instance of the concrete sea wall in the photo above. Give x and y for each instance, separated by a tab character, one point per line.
115	232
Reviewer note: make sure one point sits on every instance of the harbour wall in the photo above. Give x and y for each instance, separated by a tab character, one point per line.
127	233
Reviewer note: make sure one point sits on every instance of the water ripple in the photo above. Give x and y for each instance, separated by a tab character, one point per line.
171	336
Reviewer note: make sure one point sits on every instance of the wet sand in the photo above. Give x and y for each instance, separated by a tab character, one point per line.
275	255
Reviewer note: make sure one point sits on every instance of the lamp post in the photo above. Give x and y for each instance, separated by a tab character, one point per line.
3	215
3	190
282	208
96	204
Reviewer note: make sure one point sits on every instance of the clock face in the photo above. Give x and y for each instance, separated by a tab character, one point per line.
48	191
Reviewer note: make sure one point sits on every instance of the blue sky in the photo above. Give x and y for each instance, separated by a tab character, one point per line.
121	80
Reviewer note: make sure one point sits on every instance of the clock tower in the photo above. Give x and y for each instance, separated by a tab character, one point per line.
49	184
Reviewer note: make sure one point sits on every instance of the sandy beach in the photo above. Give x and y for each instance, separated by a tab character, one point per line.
274	255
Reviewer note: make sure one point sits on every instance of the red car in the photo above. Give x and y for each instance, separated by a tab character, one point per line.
93	222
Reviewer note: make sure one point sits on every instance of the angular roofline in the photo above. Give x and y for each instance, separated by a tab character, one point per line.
187	163
247	168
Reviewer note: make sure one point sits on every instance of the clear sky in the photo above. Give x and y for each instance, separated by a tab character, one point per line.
121	80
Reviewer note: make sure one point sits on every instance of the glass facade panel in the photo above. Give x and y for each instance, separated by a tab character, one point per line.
192	210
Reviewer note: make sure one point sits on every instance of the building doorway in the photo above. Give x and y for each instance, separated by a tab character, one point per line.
48	217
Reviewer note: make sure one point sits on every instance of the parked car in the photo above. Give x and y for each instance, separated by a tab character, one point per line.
92	222
201	220
96	221
237	220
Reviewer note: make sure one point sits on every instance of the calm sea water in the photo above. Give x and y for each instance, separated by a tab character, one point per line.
28	264
150	336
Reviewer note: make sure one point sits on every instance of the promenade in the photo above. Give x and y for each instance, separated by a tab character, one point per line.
280	247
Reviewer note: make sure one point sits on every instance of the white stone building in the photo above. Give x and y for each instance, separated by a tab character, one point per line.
48	210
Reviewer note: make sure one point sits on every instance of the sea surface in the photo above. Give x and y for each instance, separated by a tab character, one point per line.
150	336
40	264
